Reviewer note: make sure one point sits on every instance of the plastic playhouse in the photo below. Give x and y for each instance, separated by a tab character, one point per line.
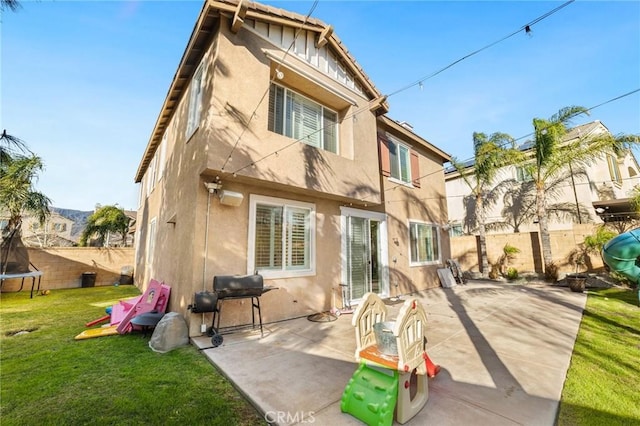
622	255
122	316
392	376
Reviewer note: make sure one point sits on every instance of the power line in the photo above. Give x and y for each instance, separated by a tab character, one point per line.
522	137
264	95
560	186
526	28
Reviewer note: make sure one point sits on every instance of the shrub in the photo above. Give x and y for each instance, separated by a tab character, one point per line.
593	243
512	274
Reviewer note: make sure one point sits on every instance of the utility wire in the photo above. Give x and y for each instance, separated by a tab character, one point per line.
522	137
264	95
526	28
560	186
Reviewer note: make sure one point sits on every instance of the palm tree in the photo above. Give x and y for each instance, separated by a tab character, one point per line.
11	145
554	156
17	194
103	221
491	154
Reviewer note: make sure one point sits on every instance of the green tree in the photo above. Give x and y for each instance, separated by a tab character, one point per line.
491	154
553	156
11	145
17	193
105	220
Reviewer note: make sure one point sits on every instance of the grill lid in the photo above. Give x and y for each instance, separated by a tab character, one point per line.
238	285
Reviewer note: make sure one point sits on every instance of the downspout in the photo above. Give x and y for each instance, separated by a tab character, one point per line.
211	188
206	250
206	244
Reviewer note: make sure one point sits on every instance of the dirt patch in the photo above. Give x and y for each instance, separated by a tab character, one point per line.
20	332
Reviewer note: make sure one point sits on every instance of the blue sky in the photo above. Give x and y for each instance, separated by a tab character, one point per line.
82	82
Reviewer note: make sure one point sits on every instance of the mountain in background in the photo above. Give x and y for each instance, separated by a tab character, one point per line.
78	217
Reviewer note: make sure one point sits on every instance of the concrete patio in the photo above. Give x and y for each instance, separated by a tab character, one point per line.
504	350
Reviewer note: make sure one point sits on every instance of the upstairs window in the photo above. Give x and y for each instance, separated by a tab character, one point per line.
456	230
398	161
523	175
195	102
297	117
614	169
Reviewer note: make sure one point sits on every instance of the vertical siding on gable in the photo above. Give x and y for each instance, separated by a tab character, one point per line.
323	63
288	34
312	50
305	47
332	69
262	28
301	44
275	34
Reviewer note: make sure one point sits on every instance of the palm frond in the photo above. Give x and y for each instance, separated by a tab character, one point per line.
566	114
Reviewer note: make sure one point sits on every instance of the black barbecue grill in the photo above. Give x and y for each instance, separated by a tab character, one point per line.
230	287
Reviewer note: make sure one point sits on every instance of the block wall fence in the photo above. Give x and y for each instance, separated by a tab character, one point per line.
63	266
465	249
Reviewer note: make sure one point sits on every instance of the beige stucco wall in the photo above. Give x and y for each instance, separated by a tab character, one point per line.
232	98
425	204
63	267
187	256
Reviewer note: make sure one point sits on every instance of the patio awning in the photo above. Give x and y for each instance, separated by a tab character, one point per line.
615	210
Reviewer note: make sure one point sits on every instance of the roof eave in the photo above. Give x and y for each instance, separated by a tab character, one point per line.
415	137
202	31
209	16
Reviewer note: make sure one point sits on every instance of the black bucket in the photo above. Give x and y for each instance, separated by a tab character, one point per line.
88	279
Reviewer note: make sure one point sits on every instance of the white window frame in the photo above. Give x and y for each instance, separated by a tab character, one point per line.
398	177
151	240
195	101
523	175
151	175
162	151
254	200
614	169
437	261
140	193
287	126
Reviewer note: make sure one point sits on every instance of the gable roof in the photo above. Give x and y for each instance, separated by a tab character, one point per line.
407	133
239	10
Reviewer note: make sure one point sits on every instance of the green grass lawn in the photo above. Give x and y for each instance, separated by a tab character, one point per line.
48	378
603	381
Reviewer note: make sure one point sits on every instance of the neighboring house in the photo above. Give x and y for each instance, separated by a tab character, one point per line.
601	194
54	232
271	153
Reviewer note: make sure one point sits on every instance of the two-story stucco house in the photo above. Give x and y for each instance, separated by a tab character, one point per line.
601	193
272	153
